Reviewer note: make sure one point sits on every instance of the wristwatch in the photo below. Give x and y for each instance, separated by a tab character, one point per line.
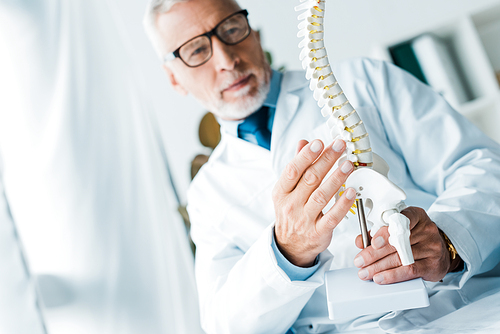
449	245
456	262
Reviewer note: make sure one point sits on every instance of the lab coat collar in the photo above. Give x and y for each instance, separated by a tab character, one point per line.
292	89
240	153
286	108
274	91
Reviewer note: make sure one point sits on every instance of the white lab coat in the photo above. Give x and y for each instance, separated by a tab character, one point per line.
444	164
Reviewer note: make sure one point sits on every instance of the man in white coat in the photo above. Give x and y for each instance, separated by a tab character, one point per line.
264	240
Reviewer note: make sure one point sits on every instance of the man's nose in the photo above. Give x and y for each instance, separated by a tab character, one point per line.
224	55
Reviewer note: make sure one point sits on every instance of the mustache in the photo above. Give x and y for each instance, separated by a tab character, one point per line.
232	78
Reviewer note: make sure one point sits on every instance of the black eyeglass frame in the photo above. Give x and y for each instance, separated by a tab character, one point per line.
176	54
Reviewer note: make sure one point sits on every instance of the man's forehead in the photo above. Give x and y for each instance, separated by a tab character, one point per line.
186	20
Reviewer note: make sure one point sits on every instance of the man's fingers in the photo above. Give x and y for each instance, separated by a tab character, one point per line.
378	249
399	274
381	262
414	214
370	255
381	242
389	262
300	145
325	192
380	246
359	240
381	238
335	215
315	174
294	170
392	260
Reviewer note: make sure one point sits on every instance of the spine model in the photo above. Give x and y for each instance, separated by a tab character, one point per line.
384	200
343	120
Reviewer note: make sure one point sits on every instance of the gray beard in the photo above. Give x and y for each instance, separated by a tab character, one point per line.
243	108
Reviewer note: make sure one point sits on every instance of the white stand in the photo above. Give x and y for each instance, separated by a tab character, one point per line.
350	297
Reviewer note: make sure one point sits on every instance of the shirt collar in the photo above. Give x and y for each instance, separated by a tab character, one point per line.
231	127
274	91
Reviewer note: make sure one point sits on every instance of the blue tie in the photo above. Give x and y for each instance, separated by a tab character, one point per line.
256	125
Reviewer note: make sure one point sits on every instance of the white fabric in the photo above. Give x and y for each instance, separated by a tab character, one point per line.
18	298
443	163
84	179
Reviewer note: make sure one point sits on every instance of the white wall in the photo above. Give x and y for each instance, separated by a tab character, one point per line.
353	28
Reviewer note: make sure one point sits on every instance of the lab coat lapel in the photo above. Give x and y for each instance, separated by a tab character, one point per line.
251	206
286	108
242	152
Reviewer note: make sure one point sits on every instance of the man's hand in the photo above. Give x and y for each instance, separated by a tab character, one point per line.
381	262
302	231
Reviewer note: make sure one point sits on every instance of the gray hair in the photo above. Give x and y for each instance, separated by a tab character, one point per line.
155	8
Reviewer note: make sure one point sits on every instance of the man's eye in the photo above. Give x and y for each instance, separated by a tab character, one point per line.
198	51
232	31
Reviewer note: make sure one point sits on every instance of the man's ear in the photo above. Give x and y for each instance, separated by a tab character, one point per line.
257	34
173	81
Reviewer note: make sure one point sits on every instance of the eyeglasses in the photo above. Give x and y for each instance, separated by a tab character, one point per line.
198	50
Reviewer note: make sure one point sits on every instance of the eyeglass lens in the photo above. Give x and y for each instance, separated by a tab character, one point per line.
230	31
